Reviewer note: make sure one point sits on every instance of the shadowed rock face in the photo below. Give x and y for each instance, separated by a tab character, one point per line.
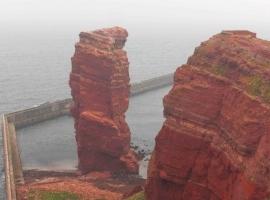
215	142
100	89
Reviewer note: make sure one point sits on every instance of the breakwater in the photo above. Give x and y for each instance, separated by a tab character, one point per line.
151	84
39	113
46	111
11	121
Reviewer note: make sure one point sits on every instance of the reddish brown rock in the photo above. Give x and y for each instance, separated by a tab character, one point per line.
100	89
215	141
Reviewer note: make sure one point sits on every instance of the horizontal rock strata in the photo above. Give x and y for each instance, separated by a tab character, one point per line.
214	143
100	89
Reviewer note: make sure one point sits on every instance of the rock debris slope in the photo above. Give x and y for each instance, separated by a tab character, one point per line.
215	141
100	89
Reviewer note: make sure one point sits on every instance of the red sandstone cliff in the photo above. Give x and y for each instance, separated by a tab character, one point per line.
215	142
100	89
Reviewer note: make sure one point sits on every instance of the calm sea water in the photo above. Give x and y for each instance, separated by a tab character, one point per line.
51	144
35	66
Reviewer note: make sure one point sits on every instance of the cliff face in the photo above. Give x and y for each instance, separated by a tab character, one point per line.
214	143
100	89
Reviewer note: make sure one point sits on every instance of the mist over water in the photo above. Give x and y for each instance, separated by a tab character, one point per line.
35	65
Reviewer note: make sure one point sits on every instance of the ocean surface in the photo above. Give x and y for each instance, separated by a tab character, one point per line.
51	145
35	66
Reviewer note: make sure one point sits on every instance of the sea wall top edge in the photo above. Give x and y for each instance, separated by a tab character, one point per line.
47	104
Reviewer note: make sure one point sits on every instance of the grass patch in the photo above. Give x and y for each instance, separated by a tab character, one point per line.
243	167
138	196
51	195
250	178
219	70
266	95
254	83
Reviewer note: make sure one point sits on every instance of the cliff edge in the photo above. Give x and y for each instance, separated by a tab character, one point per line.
100	88
214	143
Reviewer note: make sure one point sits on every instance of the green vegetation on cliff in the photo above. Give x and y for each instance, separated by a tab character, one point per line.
254	84
138	196
51	195
219	70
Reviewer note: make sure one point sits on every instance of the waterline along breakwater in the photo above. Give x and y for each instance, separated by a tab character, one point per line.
46	111
11	121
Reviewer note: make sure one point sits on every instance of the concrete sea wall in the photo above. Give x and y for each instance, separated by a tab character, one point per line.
7	157
11	121
39	113
151	84
43	112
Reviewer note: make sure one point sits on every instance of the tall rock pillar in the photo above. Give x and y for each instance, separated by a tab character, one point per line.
100	89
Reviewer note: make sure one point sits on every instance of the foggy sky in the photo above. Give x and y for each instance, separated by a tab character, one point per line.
229	14
135	10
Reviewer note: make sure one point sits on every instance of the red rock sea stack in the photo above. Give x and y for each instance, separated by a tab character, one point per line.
215	142
100	89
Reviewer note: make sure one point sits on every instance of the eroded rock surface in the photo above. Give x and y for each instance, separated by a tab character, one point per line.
215	142
100	89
